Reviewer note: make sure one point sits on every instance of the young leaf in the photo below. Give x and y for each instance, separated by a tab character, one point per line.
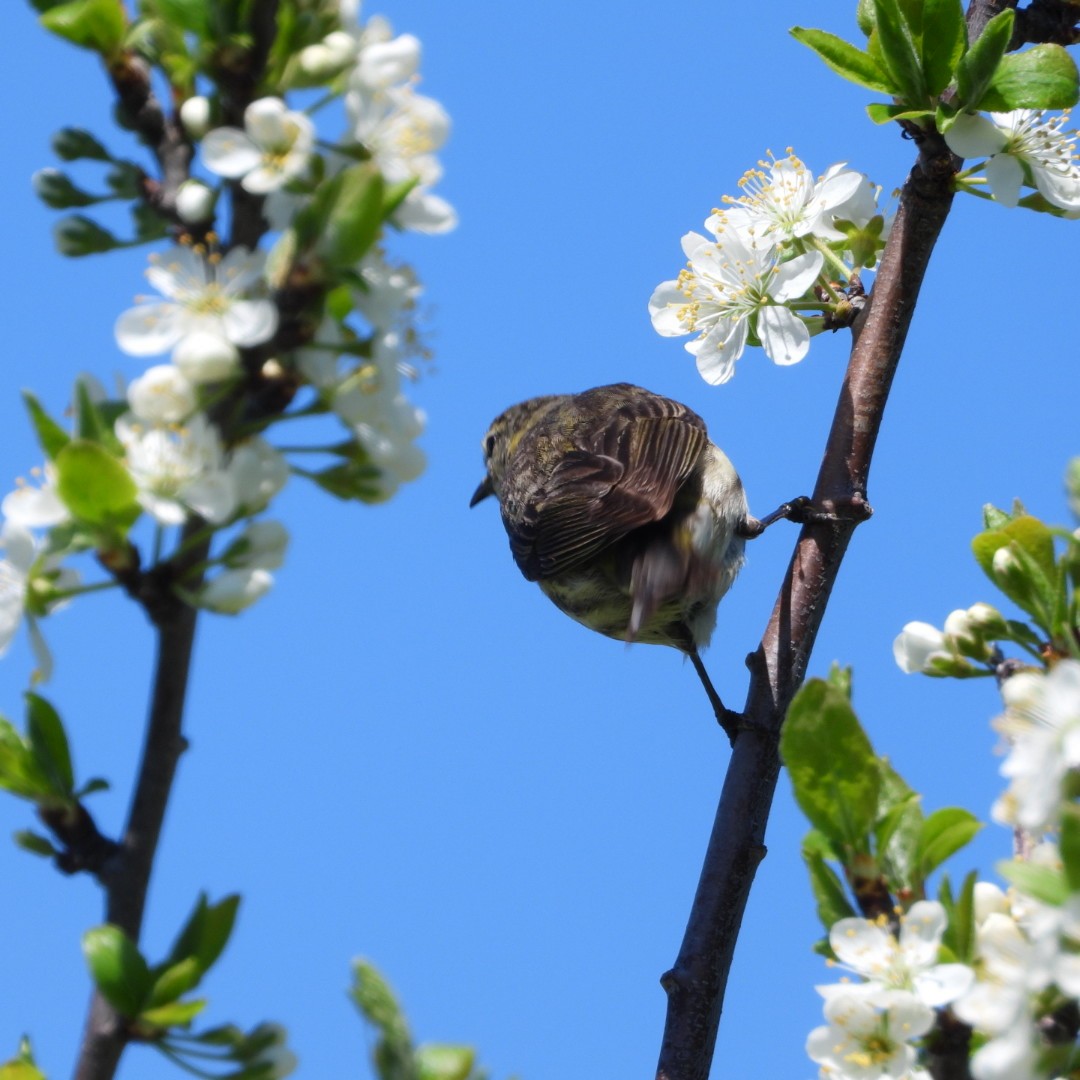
356	217
117	967
845	59
1044	77
977	66
944	38
73	144
94	486
176	1014
51	436
832	766
206	933
959	936
173	981
439	1061
828	889
900	54
36	844
1069	845
944	832
49	744
1041	882
91	24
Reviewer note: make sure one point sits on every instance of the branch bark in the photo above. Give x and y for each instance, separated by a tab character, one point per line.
696	983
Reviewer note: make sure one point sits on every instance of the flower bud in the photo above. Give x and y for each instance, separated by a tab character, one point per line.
77	235
195	202
261	546
987	620
383	64
195	117
916	645
71	144
328	57
205	357
1005	563
55	189
234	590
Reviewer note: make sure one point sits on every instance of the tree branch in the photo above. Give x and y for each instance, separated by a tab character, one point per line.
695	985
126	876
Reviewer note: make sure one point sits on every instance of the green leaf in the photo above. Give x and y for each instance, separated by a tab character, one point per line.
22	1067
118	969
896	831
440	1061
49	744
944	832
356	479
95	487
178	1014
91	24
944	39
1032	582
1039	882
20	773
50	435
95	784
206	933
377	1004
1069	845
900	54
356	217
845	59
190	15
1044	77
880	113
394	194
977	66
959	936
829	893
35	843
832	766
172	981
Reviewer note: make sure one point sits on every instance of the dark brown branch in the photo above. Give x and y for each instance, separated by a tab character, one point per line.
126	876
1050	21
695	985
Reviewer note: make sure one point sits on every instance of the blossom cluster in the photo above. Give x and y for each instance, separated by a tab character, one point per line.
775	263
214	322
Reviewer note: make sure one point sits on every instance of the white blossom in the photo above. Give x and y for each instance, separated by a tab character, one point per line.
866	1039
35	506
909	962
1042	724
206	294
728	291
781	201
161	395
258	473
1023	147
178	468
274	147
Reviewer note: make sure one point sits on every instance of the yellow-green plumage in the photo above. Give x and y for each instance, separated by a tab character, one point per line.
621	509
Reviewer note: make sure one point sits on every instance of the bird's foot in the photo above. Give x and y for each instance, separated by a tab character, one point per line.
803	511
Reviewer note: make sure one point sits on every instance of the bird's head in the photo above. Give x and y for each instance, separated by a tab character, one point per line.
503	438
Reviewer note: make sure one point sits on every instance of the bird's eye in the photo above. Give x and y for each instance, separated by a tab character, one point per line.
489	446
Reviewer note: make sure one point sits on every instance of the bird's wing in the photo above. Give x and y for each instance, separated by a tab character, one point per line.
627	476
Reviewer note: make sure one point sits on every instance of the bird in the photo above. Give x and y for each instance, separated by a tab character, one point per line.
624	512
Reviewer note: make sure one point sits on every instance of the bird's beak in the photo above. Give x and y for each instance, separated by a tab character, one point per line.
482	492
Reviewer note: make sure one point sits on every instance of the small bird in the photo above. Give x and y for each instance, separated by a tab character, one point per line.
626	515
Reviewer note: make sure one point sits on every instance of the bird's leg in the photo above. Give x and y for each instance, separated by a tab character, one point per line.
728	720
798	510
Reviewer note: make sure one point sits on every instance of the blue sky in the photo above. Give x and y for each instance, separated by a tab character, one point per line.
405	752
